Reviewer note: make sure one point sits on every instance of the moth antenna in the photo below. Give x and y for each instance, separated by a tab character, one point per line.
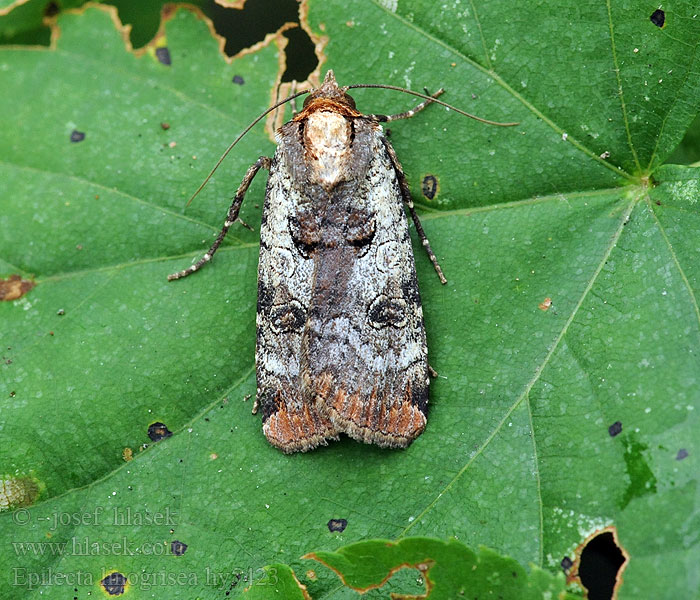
246	130
432	99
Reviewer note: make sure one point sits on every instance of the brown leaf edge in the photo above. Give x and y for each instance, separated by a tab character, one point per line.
168	11
423	566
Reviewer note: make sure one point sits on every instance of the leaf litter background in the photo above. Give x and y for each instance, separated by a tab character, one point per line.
517	454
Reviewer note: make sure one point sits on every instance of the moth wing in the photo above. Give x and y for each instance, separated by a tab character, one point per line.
364	345
291	421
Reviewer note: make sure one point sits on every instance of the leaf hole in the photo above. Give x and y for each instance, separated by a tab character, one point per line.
429	186
337	525
599	564
658	17
158	431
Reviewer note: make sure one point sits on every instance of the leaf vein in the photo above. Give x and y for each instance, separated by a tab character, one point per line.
111	190
538	371
437	214
620	92
676	262
142	79
481	35
670	109
502	83
136	263
540	553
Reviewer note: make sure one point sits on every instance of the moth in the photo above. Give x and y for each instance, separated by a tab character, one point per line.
341	345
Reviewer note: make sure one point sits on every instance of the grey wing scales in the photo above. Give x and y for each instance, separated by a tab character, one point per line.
364	353
290	419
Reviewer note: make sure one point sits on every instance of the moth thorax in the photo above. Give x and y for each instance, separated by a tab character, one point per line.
327	137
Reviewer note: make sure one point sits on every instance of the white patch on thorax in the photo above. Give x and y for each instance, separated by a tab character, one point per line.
327	140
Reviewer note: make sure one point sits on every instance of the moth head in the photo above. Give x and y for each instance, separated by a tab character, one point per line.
330	97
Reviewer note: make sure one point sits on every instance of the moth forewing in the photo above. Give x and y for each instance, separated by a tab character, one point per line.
341	345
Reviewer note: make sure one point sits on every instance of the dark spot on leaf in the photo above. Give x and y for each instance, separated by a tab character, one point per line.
615	428
14	287
114	584
238	80
158	431
600	562
77	136
165	126
682	453
163	56
338	525
429	186
51	9
178	548
60	312
566	563
658	17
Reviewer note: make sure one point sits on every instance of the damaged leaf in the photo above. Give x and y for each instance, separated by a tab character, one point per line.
575	204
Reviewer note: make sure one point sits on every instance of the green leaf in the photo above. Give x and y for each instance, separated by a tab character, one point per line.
583	80
80	214
689	149
276	581
23	21
445	570
450	569
29	21
518	454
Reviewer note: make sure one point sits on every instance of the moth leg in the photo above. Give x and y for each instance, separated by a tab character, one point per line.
409	113
262	163
406	194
